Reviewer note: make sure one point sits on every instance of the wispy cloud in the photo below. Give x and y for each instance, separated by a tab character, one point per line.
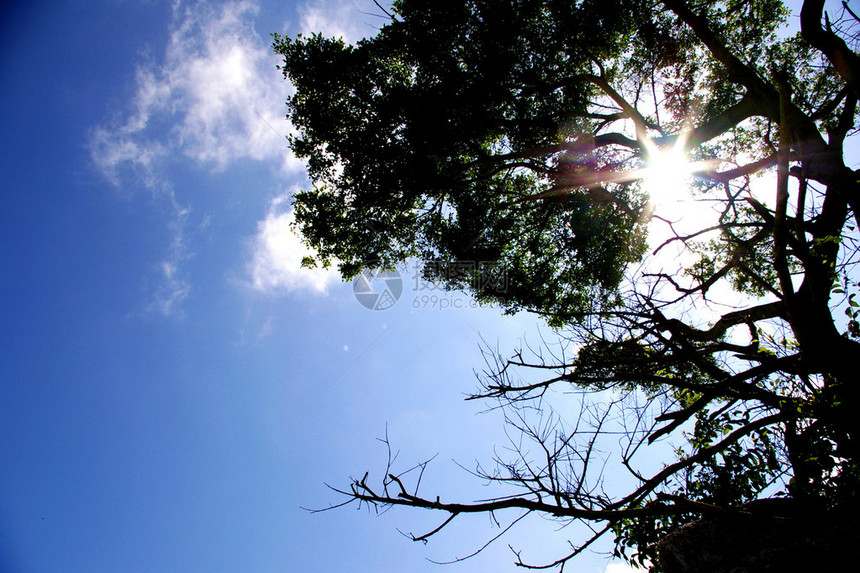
214	98
174	285
277	256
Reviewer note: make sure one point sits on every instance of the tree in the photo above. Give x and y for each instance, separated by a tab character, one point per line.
520	139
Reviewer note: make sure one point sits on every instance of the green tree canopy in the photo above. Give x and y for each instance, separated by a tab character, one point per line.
434	138
517	136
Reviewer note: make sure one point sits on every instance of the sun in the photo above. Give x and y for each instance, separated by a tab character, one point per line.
666	177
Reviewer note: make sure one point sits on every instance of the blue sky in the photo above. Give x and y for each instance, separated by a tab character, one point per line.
173	389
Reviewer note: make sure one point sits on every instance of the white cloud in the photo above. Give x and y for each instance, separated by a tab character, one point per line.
223	80
347	19
277	256
217	98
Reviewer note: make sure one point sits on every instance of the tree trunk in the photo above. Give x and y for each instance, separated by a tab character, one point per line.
770	535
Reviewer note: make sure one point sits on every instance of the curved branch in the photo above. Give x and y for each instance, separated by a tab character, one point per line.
701	455
754	314
845	61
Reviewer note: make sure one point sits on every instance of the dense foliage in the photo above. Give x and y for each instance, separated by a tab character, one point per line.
433	138
517	136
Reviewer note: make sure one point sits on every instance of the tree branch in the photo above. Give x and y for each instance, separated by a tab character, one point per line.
845	61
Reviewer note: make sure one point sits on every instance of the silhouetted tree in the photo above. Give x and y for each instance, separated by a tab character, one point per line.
523	138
